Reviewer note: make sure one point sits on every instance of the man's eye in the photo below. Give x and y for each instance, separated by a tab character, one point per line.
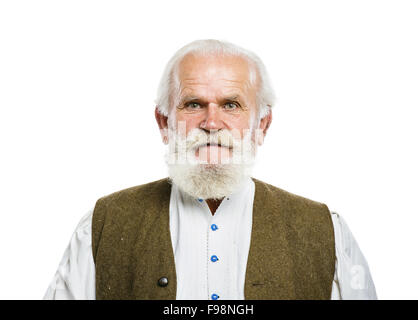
231	106
193	105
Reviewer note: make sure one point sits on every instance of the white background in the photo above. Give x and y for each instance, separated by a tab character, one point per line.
77	86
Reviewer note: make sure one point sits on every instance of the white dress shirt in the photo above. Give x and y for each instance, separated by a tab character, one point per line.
210	253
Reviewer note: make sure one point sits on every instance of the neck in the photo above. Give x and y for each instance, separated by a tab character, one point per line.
213	204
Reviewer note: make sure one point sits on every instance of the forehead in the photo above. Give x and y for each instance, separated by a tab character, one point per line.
222	73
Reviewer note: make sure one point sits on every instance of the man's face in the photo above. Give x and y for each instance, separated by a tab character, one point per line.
212	117
214	94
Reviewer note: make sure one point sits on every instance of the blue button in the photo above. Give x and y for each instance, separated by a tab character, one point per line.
214	296
214	227
214	258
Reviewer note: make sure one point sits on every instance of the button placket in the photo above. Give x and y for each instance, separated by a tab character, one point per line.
214	260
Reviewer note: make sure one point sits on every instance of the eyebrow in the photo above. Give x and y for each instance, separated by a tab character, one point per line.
186	99
234	97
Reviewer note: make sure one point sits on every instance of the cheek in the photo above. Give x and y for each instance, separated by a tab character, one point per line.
240	126
189	122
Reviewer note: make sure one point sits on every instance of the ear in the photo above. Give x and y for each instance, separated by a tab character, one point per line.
162	122
264	125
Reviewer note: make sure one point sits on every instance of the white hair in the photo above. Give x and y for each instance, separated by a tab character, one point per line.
169	84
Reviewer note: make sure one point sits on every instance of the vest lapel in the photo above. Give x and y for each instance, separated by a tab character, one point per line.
269	267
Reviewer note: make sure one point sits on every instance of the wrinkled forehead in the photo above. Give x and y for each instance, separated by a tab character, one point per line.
216	71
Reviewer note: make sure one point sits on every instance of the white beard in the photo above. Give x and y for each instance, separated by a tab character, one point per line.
209	180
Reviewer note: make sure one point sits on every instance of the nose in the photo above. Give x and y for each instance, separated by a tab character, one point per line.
213	119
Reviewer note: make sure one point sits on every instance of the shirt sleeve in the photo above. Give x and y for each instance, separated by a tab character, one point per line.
352	278
75	277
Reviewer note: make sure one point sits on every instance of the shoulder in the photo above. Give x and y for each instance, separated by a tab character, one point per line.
135	193
270	189
282	199
121	207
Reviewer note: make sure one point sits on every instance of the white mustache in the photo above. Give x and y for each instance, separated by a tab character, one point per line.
182	147
198	138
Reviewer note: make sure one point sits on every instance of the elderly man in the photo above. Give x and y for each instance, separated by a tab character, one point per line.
210	230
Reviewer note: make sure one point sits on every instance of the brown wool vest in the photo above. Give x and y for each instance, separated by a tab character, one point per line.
292	251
